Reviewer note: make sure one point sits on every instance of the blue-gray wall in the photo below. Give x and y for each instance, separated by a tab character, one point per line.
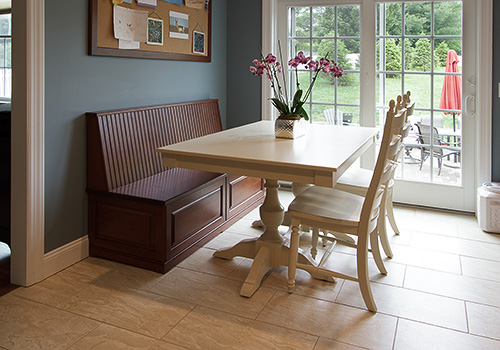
495	164
77	83
244	37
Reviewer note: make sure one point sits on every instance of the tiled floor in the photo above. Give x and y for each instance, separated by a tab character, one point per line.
442	292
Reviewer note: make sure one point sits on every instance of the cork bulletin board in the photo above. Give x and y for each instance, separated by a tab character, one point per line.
171	30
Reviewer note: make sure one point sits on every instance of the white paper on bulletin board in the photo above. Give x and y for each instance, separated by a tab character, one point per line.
131	25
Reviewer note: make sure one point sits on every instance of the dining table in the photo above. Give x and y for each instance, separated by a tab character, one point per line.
319	157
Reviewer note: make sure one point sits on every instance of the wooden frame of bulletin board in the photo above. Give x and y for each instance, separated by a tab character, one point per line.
170	46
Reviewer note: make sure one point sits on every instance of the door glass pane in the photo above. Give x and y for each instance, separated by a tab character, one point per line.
441	48
300	25
448	18
324	88
348	21
348	88
323	21
417	60
417	18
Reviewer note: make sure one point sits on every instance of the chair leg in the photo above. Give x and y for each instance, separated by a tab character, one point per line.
376	253
363	276
389	209
293	256
314	242
382	229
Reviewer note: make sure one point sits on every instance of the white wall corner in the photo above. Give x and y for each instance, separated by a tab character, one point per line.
65	256
269	39
28	89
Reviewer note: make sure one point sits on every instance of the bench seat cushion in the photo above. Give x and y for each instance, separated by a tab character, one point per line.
166	185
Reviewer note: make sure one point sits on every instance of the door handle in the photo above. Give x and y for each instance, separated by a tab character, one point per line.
470	105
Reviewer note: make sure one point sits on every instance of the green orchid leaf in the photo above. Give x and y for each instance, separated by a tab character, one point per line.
296	101
303	113
280	106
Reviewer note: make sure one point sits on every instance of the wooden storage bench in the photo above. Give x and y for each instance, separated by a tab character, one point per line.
142	214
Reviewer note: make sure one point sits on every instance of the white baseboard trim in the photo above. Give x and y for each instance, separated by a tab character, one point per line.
67	255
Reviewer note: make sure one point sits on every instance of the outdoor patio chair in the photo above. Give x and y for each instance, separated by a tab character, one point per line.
337	118
442	149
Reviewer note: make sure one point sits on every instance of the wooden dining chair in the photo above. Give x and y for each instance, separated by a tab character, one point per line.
333	210
357	180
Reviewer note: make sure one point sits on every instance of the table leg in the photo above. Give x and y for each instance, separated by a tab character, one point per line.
265	250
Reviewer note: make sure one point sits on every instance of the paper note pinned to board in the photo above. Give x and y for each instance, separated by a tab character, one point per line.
130	24
197	4
150	3
128	45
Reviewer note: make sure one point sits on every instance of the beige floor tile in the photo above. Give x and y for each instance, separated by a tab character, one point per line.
226	239
212	291
209	329
203	261
404	238
455	245
345	263
328	344
146	313
129	277
480	268
418	336
93	267
244	227
116	274
106	337
414	305
330	320
452	285
414	256
25	324
474	232
55	289
484	320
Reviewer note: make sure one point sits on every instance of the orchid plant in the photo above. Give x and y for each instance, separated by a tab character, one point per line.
272	68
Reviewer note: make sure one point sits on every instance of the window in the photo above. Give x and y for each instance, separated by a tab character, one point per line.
5	56
334	31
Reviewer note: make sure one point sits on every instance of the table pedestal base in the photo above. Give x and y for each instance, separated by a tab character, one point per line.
267	255
270	249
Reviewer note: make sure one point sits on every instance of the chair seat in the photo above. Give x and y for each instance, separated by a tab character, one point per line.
355	180
342	207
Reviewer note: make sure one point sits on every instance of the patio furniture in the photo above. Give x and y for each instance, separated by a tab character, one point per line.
438	147
338	117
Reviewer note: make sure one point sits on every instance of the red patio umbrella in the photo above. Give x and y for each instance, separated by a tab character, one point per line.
451	95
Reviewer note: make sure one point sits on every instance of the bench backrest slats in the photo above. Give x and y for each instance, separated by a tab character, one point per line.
121	145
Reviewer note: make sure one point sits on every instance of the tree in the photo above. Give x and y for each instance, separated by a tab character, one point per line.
440	54
392	55
328	47
422	59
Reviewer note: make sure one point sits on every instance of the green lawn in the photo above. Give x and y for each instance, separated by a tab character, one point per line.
418	84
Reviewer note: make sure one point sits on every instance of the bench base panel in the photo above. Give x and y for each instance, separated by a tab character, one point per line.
156	235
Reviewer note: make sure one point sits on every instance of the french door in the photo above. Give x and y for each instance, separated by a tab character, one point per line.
386	49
